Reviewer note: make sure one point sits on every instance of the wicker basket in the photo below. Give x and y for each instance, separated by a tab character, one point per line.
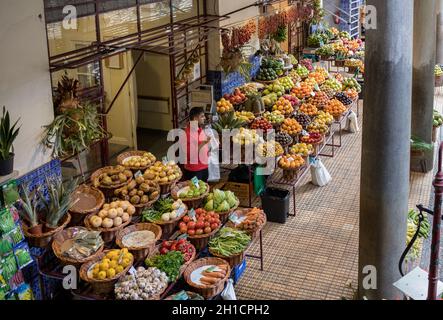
44	239
190	203
165	188
234	260
77	214
125	155
108	190
168	227
201	241
225	214
108	234
207	291
66	234
139	253
340	63
101	287
253	233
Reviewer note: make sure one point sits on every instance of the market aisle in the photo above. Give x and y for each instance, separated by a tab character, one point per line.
315	254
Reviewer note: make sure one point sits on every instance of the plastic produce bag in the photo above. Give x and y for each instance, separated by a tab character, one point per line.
213	159
352	123
229	292
319	173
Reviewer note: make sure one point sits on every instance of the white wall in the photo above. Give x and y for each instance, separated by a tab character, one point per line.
24	77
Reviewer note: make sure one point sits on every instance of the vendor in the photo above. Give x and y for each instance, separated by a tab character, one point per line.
197	148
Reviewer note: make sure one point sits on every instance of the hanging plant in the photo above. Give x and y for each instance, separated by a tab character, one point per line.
281	35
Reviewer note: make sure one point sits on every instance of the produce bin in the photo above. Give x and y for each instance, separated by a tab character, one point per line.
275	203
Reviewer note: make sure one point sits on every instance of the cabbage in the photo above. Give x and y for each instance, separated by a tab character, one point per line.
210	196
224	206
209	205
232	199
219	196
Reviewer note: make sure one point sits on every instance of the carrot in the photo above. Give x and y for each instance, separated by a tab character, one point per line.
209	281
214	274
224	267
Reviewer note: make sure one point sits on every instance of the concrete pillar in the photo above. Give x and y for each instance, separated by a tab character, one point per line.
423	79
384	188
439	51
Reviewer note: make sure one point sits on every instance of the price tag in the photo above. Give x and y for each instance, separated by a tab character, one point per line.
304	133
195	182
211	269
233	218
312	94
192	215
180	211
133	273
316	87
183	236
138	174
175	235
182	295
297	85
290	159
165	160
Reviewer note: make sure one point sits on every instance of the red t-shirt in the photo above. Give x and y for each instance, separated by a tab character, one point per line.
196	160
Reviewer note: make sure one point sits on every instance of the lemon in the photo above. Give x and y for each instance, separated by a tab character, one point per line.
119	269
127	256
110	273
124	250
104	266
113	264
126	262
106	261
95	273
102	275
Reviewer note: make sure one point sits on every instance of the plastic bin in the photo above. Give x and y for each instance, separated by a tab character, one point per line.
275	203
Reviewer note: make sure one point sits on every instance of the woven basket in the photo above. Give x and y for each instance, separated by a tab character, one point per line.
225	214
139	253
339	63
77	214
190	203
125	155
253	233
101	287
165	188
207	291
234	260
44	239
108	234
168	227
108	190
67	234
201	241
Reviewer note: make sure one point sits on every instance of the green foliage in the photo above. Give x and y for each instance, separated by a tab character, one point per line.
227	121
419	145
30	203
7	135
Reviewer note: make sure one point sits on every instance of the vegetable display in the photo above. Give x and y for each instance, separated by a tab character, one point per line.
146	160
183	246
164	210
199	222
220	201
163	173
229	242
113	176
112	215
192	191
170	263
139	191
146	284
113	264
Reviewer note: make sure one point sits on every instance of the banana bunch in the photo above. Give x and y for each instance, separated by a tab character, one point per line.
425	227
415	250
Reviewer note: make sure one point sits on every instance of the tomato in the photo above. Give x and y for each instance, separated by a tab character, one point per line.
183	230
181	241
217	216
182	224
186	219
200	225
164	251
165	244
217	221
200	211
199	232
214	226
191	225
191	232
174	247
207	224
208	230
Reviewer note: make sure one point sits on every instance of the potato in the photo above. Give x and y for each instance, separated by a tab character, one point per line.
112	213
103	214
133	192
118	222
120	212
131	210
122	177
128	173
107	223
140	180
124	192
132	185
106	206
96	221
125	217
149	176
135	200
144	199
154	195
140	193
124	205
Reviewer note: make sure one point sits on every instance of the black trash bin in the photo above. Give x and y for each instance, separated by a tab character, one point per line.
275	203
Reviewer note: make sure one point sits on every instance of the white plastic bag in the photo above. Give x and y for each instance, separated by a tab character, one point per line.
213	158
229	292
352	123
319	173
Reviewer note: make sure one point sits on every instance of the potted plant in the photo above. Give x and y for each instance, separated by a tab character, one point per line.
419	147
29	212
8	134
59	202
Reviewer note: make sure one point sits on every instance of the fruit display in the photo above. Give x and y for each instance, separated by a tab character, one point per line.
327	50
316	40
330	93
324	118
438	119
139	191
112	177
267	75
338	76
270	99
307	63
220	201
112	215
293	99
335	108
283	138
303	119
308	109
251	88
302	90
333	84
318	77
244	116
274	117
246	137
317	127
227	121
343	98
291	127
294	76
291	162
111	265
311	82
164	210
229	242
334	31
139	239
302	149
163	173
287	83
270	149
438	71
344	35
302	71
284	106
261	124
312	138
274	64
322	71
351	83
183	246
236	98
351	94
224	106
276	88
144	161
201	224
320	99
250	220
190	190
170	263
145	284
354	63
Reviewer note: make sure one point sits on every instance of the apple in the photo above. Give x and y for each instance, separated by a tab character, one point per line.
199	232
208	230
191	232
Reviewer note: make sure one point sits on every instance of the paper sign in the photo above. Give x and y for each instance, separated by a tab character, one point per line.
133	271
234	219
290	159
304	133
175	235
211	269
183	236
138	174
180	211
192	215
195	182
313	94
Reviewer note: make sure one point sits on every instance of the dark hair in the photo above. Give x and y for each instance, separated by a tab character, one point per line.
195	112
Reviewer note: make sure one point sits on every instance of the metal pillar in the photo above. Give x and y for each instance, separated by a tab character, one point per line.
423	79
384	189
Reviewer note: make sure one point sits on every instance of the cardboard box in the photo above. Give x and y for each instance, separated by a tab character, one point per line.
241	190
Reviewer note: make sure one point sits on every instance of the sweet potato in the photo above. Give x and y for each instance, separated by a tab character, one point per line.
214	274
208	280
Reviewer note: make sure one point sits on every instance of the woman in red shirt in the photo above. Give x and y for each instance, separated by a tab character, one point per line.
197	150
